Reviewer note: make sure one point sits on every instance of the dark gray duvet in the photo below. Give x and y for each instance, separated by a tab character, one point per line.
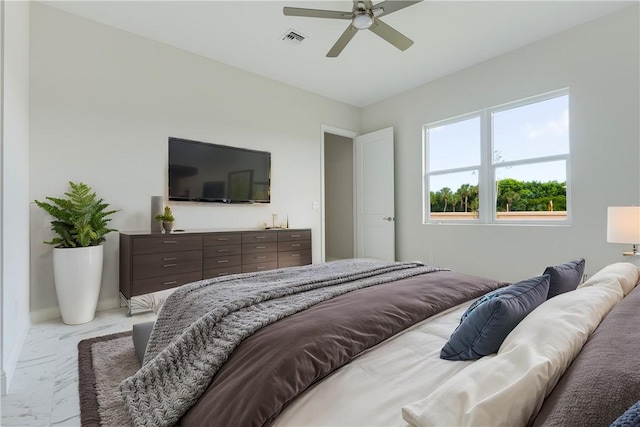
277	363
604	379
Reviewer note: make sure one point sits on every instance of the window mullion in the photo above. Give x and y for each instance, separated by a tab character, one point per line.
486	171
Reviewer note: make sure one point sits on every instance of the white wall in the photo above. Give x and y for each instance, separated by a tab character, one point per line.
338	185
104	102
15	183
598	61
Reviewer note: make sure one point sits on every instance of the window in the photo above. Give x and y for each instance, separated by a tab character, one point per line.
501	165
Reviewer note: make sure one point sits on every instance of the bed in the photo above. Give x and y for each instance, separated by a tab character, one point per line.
360	343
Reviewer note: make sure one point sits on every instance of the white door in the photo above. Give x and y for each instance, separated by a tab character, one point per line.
375	217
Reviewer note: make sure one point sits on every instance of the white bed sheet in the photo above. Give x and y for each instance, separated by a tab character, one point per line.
372	389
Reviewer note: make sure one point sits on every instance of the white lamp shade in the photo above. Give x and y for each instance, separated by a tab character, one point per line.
623	224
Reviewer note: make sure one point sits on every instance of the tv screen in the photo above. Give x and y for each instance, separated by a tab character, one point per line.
205	172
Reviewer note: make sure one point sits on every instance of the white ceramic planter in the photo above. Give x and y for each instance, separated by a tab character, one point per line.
78	275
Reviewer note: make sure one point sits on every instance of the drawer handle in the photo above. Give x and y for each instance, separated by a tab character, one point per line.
170	283
223	274
169	265
168	242
222	261
261	247
222	239
295	246
295	255
260	257
260	267
223	250
295	235
260	237
169	259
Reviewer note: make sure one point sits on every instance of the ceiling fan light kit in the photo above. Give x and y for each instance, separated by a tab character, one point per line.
362	20
363	16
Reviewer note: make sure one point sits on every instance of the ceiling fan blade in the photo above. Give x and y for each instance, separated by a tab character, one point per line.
316	13
342	41
391	35
390	6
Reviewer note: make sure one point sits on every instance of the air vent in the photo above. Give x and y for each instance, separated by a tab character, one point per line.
293	37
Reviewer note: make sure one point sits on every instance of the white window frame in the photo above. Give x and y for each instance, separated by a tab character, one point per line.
487	213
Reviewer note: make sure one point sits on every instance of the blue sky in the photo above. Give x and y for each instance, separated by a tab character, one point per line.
530	131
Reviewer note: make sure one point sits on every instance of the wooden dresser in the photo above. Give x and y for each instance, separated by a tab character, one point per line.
151	262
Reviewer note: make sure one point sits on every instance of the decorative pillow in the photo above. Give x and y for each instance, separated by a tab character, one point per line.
564	277
489	320
630	418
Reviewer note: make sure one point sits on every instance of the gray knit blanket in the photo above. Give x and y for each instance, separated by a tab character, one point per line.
201	324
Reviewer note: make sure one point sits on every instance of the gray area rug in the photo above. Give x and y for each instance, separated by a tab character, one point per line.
103	363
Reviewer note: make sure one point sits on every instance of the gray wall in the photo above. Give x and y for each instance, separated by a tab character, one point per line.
339	197
104	102
598	61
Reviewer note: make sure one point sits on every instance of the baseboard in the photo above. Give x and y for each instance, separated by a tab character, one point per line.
51	313
44	314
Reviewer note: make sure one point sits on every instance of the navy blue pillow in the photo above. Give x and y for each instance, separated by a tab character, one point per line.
564	277
630	418
485	325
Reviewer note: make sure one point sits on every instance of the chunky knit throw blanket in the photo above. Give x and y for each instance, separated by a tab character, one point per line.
202	323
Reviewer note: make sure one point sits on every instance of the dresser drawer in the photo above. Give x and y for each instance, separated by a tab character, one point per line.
287	259
155	265
294	262
168	243
259	237
252	248
259	257
250	268
210	251
211	273
222	261
218	239
294	245
155	284
286	236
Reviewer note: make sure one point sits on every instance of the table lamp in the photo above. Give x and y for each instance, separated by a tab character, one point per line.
623	226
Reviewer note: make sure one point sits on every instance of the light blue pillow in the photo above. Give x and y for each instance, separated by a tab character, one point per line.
488	321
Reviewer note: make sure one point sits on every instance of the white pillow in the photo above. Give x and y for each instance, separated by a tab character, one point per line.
626	273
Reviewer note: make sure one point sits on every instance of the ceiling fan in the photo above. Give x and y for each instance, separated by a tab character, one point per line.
364	16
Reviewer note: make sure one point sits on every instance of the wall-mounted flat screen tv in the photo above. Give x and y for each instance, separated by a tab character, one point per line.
202	172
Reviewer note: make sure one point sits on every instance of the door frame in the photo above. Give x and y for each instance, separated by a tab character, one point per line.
347	134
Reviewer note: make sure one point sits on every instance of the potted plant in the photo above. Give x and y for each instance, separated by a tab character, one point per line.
167	219
80	222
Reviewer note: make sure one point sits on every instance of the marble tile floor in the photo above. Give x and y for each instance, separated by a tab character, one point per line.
44	389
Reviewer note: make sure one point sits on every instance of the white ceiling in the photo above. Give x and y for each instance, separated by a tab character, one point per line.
449	36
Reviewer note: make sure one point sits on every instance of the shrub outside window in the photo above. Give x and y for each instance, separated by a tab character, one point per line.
501	165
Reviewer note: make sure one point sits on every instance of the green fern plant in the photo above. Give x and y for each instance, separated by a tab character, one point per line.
80	220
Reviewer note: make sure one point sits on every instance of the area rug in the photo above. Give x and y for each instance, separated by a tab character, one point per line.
103	362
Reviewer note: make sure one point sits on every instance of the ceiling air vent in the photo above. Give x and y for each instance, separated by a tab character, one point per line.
293	37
